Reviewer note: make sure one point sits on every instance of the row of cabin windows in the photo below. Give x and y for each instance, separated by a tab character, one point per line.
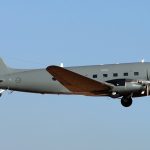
116	75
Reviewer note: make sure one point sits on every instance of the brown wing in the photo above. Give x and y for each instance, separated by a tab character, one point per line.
76	82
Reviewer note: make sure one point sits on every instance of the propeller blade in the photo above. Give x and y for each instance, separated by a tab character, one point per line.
147	87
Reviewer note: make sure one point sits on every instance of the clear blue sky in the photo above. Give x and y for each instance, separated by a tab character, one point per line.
35	34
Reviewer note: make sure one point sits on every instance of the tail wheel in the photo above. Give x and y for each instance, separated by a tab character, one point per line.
126	101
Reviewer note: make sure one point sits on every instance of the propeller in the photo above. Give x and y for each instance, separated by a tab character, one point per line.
147	84
147	89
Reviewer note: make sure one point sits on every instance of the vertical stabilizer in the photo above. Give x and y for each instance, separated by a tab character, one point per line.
3	68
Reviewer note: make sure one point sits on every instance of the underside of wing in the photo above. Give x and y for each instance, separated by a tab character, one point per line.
78	83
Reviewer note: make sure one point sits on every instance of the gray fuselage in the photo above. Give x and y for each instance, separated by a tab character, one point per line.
40	81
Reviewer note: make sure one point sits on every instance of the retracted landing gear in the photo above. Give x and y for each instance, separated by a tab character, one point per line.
126	101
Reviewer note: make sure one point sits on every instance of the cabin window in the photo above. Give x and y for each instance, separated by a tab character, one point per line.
115	74
125	74
105	75
94	75
136	73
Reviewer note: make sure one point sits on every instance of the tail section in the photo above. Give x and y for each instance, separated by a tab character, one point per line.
3	68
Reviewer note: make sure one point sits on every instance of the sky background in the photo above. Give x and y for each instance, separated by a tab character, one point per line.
39	33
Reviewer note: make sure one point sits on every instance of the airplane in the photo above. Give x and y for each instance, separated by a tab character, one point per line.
119	81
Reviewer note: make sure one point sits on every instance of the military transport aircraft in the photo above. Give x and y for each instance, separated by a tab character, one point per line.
122	81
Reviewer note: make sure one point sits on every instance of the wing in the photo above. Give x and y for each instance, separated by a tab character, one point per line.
78	83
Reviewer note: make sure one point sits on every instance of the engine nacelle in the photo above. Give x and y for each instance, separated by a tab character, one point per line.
130	87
